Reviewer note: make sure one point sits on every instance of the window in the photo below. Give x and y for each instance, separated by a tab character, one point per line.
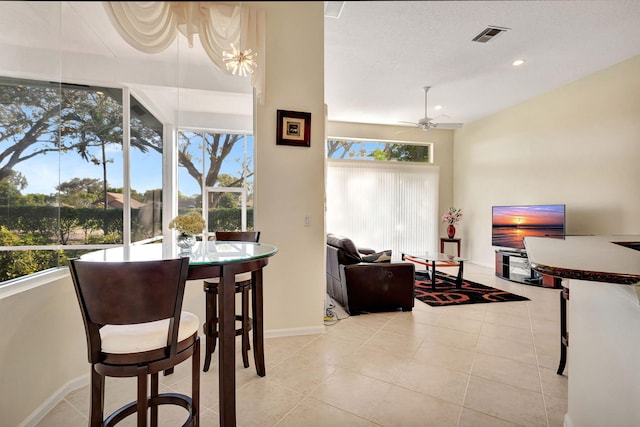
383	194
145	173
384	205
216	168
359	149
62	173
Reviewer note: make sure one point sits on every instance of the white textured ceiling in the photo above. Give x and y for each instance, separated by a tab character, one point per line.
380	54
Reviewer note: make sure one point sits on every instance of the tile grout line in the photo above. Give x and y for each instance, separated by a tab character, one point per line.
473	361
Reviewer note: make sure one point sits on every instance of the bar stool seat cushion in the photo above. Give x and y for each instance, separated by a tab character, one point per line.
136	338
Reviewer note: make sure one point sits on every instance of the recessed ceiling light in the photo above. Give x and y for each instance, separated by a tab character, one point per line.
517	62
438	107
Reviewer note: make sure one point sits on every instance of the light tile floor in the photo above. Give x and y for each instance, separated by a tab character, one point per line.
476	365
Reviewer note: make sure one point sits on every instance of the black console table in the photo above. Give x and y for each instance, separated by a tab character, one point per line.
514	266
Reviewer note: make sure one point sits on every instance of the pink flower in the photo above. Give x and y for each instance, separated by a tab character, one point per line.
452	216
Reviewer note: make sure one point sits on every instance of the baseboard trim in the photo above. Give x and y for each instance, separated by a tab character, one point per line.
53	400
276	333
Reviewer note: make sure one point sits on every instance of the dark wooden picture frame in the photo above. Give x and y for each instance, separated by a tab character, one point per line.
294	128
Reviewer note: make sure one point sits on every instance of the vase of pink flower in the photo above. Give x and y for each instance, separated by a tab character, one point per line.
452	217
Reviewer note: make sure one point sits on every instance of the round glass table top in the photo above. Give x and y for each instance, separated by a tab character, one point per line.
217	252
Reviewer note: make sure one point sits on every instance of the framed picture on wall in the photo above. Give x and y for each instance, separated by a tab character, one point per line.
294	128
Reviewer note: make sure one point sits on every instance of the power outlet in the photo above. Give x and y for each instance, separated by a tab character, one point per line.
307	221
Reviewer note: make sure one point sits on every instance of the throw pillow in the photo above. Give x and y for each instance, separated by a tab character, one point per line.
384	256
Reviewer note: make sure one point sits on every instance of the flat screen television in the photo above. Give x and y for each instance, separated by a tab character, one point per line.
511	224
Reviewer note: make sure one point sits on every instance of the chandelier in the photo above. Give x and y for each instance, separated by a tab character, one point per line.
239	62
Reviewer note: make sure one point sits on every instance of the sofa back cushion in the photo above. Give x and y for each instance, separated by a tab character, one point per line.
347	252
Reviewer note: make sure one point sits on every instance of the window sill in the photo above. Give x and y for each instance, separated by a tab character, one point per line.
25	283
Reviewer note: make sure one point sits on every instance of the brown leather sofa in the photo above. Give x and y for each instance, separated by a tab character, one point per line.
362	286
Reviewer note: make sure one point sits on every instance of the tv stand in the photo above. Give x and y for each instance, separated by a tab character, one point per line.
514	266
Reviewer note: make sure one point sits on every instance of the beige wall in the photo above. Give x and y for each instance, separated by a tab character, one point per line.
442	141
42	347
578	145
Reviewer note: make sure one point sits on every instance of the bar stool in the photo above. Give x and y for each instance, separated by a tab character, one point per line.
135	327
564	330
242	286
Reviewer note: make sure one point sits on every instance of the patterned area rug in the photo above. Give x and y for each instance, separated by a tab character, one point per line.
471	292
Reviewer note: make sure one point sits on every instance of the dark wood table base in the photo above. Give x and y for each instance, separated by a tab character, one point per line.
226	325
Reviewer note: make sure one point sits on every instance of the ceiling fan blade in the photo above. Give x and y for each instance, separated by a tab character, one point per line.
446	125
427	123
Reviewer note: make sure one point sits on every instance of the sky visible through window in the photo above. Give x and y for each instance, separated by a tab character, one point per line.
43	177
232	165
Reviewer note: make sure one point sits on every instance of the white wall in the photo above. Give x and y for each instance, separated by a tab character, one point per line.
578	145
290	180
442	141
603	355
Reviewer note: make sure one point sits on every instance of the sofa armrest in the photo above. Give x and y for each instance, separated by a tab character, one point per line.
379	287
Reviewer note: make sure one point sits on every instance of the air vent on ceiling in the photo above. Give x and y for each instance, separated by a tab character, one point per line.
489	34
333	9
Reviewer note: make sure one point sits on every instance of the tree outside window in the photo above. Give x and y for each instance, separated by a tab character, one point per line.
61	171
209	160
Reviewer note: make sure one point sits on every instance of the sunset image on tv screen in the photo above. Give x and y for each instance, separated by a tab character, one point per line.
510	224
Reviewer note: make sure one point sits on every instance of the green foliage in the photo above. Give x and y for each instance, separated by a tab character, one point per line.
80	192
229	219
109	238
20	263
379	154
409	153
38	225
41	222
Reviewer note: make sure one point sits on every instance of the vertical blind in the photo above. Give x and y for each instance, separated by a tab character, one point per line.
384	205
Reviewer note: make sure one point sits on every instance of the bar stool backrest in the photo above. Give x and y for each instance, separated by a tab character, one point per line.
238	236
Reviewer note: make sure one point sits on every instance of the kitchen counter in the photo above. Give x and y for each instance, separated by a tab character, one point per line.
602	273
610	259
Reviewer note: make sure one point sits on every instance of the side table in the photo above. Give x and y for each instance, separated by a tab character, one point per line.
444	240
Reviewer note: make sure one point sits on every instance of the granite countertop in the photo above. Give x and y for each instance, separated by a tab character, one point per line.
610	259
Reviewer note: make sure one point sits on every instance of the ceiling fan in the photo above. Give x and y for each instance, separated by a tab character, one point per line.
427	123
